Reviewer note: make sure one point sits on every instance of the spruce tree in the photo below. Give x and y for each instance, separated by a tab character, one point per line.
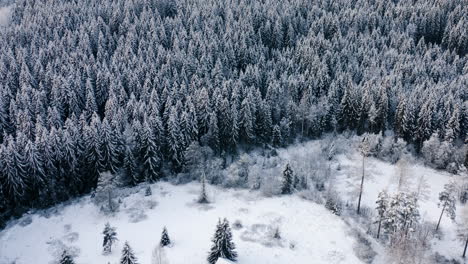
128	257
109	148
276	138
150	154
447	201
288	180
148	191
203	199
165	240
66	258
223	247
110	236
130	167
382	205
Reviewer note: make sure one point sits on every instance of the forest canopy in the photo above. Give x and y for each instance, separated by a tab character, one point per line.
126	86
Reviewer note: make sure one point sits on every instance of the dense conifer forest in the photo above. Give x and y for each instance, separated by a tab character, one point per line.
127	86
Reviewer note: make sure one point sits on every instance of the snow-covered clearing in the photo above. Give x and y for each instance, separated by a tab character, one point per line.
309	232
5	13
382	175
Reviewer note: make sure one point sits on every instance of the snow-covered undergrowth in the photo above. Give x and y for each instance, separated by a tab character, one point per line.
309	232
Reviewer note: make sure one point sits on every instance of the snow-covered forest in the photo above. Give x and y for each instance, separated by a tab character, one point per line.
96	92
166	223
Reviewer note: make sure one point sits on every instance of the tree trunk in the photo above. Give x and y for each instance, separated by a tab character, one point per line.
110	201
378	231
440	218
466	244
362	186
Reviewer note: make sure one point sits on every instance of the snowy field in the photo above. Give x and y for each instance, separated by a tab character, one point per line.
309	232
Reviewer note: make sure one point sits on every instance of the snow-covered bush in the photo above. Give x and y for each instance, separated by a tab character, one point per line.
237	224
443	155
333	203
199	160
392	150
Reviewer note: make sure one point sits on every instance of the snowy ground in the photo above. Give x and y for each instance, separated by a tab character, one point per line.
5	15
310	233
382	175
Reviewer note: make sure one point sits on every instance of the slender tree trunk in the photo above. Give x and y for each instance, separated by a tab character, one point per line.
110	201
378	230
362	186
440	218
466	244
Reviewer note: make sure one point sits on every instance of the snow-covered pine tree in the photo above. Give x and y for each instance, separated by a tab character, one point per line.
110	236
90	104
401	216
287	186
109	148
148	191
165	240
447	202
35	170
14	183
151	161
382	205
175	138
453	126
211	138
203	198
223	247
246	128
130	166
66	258
276	136
128	257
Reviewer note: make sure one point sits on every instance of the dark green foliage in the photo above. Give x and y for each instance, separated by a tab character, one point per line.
165	240
223	247
288	180
66	258
128	257
110	236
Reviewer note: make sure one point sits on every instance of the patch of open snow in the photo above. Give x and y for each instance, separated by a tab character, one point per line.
5	13
317	235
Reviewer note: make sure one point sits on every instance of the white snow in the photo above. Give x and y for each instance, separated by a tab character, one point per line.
309	232
317	235
5	13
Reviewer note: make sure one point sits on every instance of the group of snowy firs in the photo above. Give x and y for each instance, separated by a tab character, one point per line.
131	86
223	246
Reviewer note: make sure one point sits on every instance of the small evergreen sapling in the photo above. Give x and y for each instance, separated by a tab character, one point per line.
203	199
110	236
128	257
66	258
165	240
148	191
223	247
277	233
288	180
